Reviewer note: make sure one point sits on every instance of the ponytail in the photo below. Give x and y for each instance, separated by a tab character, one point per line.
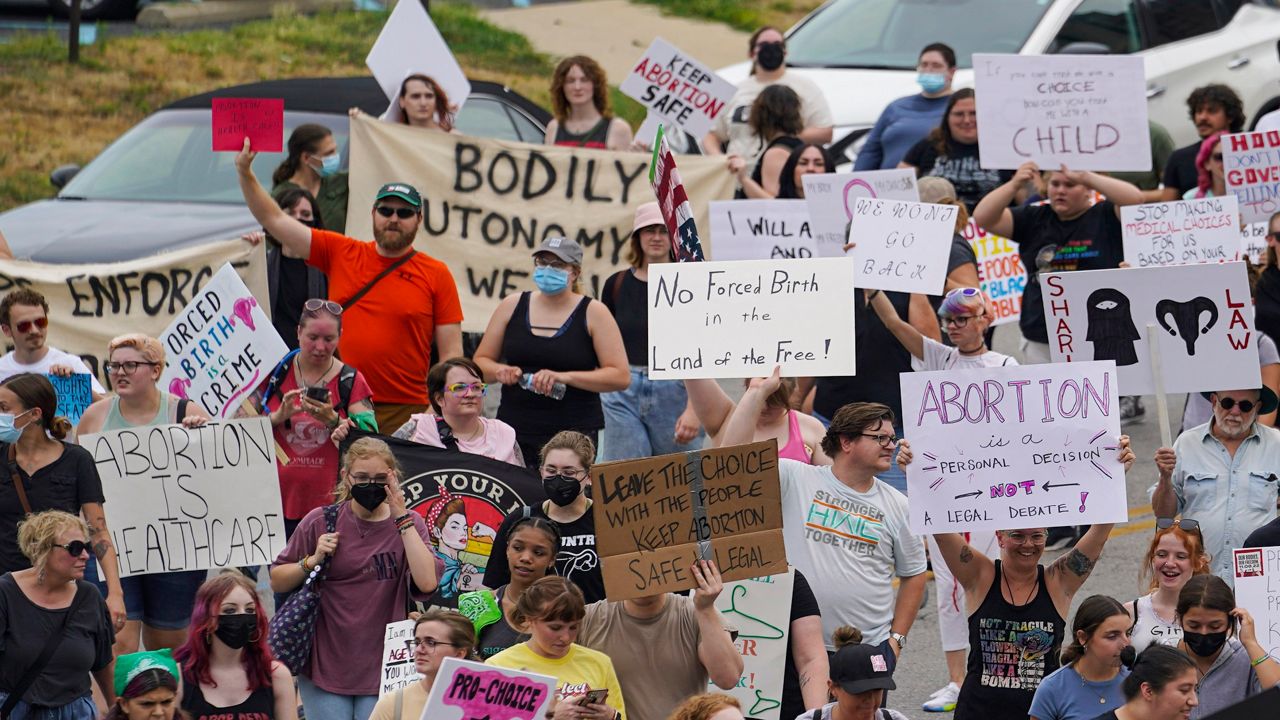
305	138
846	635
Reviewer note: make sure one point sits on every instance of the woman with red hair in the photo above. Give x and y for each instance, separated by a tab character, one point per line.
227	670
1176	554
580	103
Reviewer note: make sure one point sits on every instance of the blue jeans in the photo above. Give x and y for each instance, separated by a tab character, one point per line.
324	705
82	708
640	421
895	476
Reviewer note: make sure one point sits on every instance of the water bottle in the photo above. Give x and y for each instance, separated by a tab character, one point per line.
557	390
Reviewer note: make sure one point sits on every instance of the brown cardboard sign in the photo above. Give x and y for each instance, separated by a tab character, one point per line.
655	516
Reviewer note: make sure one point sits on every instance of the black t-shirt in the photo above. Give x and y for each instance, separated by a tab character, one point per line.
880	357
1266	302
803	604
293	294
64	484
1266	536
626	297
1047	243
961	165
1180	172
576	562
24	628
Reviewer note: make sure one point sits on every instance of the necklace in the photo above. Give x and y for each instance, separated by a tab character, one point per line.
474	436
1013	599
302	378
1102	699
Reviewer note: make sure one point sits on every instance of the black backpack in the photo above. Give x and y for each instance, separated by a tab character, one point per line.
346	382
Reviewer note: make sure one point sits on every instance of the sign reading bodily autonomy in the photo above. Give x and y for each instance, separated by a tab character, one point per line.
411	44
678	89
1181	232
1251	161
1000	272
761	229
466	690
183	498
1088	112
220	347
1019	446
1257	586
900	245
740	319
656	516
760	609
831	197
1202	316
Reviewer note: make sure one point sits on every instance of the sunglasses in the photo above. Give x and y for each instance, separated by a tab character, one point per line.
1216	157
25	325
75	548
402	213
1187	524
315	305
1246	406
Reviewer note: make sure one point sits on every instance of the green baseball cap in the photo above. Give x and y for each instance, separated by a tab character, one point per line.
404	191
130	666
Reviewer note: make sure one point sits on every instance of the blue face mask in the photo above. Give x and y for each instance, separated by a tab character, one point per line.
8	433
550	280
329	165
931	82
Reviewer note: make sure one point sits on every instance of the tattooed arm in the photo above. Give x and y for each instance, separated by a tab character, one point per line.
108	565
1065	576
810	657
974	571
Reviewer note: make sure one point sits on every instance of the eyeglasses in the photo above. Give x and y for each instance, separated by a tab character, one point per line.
1035	538
403	213
957	320
25	325
414	644
315	305
1246	406
544	262
462	389
128	367
365	479
75	548
571	473
884	441
1188	524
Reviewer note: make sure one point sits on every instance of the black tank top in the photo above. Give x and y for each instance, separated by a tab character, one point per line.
1011	649
534	415
597	137
260	705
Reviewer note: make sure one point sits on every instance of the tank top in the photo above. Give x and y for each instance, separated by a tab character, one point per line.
1011	649
569	349
498	636
795	449
164	415
597	137
1149	629
788	142
260	705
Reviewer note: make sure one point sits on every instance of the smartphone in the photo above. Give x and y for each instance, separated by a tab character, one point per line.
319	394
596	697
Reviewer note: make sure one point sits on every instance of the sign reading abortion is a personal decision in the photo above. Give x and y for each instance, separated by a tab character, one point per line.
1019	446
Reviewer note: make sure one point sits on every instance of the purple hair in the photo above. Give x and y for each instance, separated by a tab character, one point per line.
963	301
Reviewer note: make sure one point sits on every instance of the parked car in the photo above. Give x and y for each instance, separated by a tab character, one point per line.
159	186
863	53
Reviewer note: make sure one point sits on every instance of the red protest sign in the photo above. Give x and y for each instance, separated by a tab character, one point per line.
259	119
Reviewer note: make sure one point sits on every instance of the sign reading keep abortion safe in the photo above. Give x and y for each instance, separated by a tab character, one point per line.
678	89
1019	446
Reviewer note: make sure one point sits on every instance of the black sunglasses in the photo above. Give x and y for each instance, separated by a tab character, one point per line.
75	548
1187	524
402	213
1246	406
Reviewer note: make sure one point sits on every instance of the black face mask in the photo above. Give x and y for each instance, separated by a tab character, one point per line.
235	630
1204	644
561	490
369	495
769	55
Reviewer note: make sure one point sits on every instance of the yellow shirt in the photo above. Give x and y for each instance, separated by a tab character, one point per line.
415	699
580	670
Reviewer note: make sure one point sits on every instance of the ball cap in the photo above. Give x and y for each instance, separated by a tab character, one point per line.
563	248
859	668
404	191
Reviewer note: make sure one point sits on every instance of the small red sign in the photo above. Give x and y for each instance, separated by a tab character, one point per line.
259	119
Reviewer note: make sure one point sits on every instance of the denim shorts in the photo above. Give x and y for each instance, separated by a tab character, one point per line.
163	600
82	708
640	421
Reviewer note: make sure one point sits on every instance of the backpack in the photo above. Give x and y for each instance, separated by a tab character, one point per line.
346	382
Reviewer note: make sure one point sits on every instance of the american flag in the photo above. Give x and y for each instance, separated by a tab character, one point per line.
673	202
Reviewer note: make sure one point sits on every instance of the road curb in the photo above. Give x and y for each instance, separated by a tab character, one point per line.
176	16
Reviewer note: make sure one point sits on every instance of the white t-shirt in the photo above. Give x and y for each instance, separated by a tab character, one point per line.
944	357
9	366
1270	121
849	545
732	126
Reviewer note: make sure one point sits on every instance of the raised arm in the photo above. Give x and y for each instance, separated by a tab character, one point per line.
294	237
741	428
908	336
1117	191
716	651
1164	501
992	213
972	569
1065	576
710	403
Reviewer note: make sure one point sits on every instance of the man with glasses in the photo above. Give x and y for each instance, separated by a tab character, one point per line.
24	318
396	301
1223	474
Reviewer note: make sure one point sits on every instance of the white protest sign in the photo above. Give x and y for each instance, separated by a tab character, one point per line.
1017	446
760	610
1251	161
397	660
1088	112
220	347
1253	238
466	690
760	229
1257	586
1202	314
411	44
1182	232
742	318
831	197
677	88
1000	272
901	245
183	498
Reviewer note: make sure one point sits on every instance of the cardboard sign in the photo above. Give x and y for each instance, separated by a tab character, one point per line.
1253	239
1202	315
901	245
1251	161
761	229
655	516
191	498
1000	272
1088	112
410	43
1010	447
760	610
678	89
831	197
1257	585
221	346
397	661
740	319
466	690
1182	232
259	119
75	393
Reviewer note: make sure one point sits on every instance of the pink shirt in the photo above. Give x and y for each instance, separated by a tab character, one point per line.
498	441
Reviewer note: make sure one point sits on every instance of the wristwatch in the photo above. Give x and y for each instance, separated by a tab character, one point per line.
900	639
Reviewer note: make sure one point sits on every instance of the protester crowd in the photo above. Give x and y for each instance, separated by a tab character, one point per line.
377	343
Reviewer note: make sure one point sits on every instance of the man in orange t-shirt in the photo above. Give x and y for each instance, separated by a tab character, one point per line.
389	329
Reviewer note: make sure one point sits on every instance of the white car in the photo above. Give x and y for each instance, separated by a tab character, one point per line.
863	53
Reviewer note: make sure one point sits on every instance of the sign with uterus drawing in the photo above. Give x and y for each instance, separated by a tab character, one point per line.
1202	316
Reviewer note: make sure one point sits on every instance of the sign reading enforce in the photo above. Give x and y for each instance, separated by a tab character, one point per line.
678	89
761	229
465	690
1018	446
1182	232
831	197
656	516
259	119
901	245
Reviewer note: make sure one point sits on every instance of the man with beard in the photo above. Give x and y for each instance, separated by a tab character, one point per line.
24	319
396	301
1222	474
1213	108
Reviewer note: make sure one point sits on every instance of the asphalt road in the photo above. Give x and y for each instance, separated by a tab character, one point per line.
18	16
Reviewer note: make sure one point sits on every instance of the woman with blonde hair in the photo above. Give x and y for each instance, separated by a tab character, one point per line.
371	546
437	634
580	103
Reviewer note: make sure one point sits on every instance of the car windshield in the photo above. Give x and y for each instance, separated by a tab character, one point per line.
168	158
891	33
